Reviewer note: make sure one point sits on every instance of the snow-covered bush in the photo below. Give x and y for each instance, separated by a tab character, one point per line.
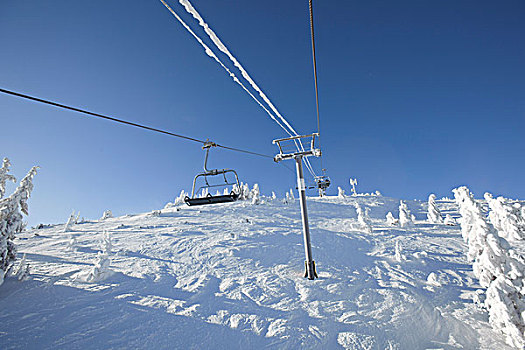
22	270
106	215
11	210
363	219
179	200
506	218
4	176
255	194
204	193
245	191
289	197
391	220
353	183
449	220
100	269
433	214
340	192
71	221
498	267
405	219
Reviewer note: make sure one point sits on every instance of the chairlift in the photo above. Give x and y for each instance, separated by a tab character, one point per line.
209	198
323	182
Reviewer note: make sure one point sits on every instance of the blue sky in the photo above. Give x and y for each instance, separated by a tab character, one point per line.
416	97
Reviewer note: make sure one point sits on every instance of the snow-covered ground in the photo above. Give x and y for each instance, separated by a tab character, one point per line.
230	276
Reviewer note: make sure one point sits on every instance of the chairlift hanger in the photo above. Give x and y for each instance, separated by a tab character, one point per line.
210	199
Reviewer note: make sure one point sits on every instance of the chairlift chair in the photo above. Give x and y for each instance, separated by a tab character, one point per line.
323	182
209	198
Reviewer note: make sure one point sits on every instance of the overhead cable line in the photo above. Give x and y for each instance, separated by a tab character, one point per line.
211	54
97	115
222	47
315	65
315	73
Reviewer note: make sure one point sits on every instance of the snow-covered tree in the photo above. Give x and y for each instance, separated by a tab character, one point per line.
340	192
391	220
70	222
449	220
289	197
497	266
106	215
4	176
398	252
433	214
353	183
245	191
363	219
506	218
22	270
180	199
100	269
255	194
405	219
11	210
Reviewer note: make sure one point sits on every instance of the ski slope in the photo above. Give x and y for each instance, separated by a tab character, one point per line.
230	277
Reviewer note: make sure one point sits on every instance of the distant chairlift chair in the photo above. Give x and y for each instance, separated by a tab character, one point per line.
323	182
210	199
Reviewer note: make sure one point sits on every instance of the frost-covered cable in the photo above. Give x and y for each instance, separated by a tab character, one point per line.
220	45
210	53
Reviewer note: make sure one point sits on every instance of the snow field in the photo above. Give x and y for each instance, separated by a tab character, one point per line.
230	276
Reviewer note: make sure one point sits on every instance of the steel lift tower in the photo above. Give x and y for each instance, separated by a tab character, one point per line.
310	271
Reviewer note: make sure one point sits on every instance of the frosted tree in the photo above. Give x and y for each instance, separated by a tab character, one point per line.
70	222
353	183
433	214
22	270
506	218
255	194
340	192
243	190
449	220
106	215
405	219
398	252
363	219
100	269
497	266
274	197
391	220
4	176
289	197
11	210
180	199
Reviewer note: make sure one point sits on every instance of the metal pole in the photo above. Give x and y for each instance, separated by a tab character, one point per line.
301	187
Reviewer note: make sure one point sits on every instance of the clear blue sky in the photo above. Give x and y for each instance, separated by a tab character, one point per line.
416	97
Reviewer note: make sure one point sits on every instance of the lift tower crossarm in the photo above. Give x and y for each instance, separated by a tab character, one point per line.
316	152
